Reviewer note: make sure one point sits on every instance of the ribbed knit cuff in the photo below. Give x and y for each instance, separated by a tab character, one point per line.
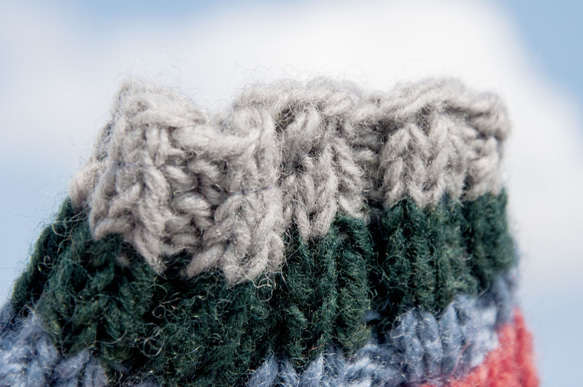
310	235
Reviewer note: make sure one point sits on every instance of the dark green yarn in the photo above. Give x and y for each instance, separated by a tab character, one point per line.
487	238
140	321
324	292
354	290
425	256
30	285
174	329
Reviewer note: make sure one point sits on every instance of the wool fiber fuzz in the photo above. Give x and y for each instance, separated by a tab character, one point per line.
320	298
308	235
29	358
420	347
171	178
509	365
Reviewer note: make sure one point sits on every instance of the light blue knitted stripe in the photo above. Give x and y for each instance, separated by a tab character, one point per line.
28	358
420	348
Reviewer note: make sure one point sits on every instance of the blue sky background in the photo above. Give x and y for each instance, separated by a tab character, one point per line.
60	64
552	32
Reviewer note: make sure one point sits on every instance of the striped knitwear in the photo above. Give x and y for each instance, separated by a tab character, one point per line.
310	235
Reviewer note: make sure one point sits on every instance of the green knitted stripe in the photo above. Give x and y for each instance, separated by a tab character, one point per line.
51	242
323	292
102	294
425	256
179	328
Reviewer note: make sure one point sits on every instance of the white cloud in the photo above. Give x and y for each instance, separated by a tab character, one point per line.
58	78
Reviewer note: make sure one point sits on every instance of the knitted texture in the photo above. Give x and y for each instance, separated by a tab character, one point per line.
311	235
419	347
28	357
509	365
169	178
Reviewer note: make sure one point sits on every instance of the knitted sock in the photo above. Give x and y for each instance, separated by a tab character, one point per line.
310	235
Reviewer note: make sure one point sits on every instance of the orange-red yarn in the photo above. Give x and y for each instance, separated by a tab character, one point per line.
509	365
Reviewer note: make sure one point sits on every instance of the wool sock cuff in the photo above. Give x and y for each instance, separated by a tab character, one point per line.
310	234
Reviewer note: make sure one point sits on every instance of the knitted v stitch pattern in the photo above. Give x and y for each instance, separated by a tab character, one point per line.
310	235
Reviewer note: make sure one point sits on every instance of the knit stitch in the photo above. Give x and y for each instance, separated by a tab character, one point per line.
509	365
420	347
169	178
320	298
309	235
29	358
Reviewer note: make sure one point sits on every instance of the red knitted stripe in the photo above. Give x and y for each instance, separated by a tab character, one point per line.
509	365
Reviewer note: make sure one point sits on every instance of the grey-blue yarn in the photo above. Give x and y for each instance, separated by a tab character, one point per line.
28	357
420	348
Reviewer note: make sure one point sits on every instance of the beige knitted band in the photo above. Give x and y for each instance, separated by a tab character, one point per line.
224	188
